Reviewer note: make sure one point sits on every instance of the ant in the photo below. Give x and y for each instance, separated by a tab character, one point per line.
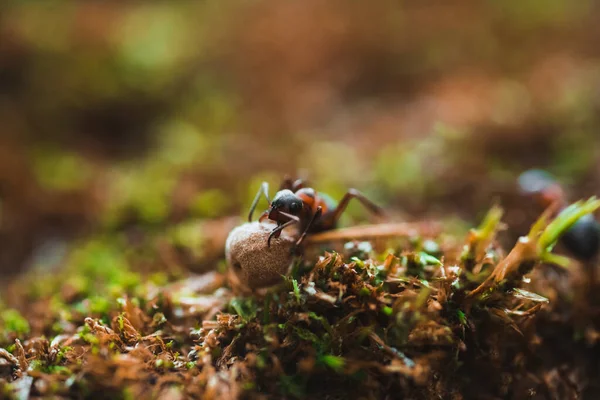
314	212
583	238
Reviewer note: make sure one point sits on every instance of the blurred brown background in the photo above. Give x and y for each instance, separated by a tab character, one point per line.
121	114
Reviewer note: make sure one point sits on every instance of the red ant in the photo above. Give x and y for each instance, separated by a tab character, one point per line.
583	238
296	204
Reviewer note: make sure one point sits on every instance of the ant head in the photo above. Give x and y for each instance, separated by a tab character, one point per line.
285	201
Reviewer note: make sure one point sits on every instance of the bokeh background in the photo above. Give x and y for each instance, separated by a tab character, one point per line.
128	116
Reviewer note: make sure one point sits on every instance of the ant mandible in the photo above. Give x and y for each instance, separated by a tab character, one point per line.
583	238
295	203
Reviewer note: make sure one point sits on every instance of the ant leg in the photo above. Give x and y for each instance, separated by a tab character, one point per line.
298	184
264	189
263	216
287	183
277	231
315	216
293	185
355	194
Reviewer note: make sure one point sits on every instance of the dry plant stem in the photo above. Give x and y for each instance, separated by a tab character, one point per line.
20	353
9	357
399	229
524	252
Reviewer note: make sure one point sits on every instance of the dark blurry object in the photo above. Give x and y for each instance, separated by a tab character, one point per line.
535	181
583	239
542	186
116	128
295	203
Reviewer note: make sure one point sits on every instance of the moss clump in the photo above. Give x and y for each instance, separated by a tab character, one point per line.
13	324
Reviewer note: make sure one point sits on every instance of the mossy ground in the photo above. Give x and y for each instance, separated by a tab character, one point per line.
426	318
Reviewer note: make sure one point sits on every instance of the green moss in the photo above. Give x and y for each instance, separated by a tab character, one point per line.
540	14
144	190
246	308
13	322
415	167
101	266
7	391
190	236
573	154
401	169
210	203
333	362
59	170
293	386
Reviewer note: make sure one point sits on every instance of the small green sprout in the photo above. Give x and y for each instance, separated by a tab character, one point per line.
296	290
190	364
480	238
246	308
427	259
305	334
334	362
490	223
387	310
323	322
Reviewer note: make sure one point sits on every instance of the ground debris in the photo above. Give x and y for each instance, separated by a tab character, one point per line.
413	321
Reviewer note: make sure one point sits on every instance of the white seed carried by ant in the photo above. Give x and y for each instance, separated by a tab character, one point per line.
252	260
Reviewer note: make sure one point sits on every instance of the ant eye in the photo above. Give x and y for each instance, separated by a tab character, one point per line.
295	207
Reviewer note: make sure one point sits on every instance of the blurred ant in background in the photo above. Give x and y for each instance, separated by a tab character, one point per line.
583	239
314	212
